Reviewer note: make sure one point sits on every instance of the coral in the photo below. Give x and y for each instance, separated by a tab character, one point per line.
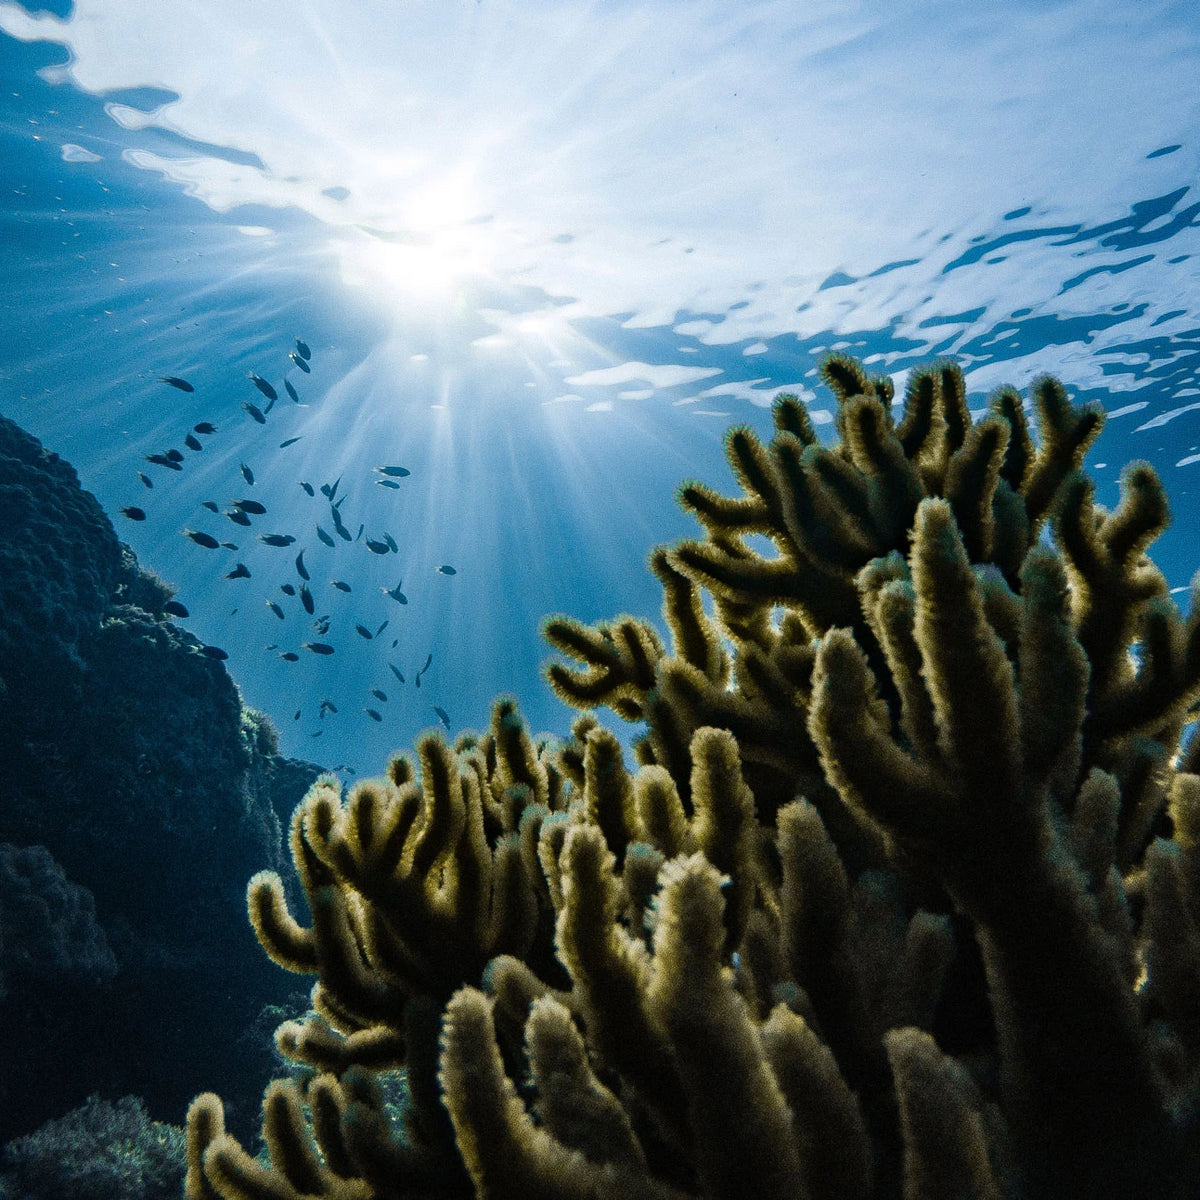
100	1151
901	897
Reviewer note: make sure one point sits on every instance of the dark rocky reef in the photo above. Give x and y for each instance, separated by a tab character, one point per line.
137	795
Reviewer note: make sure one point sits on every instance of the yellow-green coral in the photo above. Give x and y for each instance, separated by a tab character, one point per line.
900	898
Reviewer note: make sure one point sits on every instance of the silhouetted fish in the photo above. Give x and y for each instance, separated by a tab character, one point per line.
247	474
291	391
387	483
326	538
363	631
447	570
442	715
239	572
214	652
321	625
382	627
329	490
289	442
340	584
296	715
306	598
237	516
301	569
161	460
192	442
229	545
338	524
300	363
202	539
395	672
318	647
327	705
275	609
211	505
377	547
395	593
276	539
391	541
205	427
303	350
145	479
317	734
176	382
175	455
254	411
263	386
379	694
287	589
133	512
373	714
175	608
395	472
308	487
290	656
250	506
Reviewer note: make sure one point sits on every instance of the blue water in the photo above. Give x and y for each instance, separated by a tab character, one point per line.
544	255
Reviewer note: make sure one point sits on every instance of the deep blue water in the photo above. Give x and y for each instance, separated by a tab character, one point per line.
543	260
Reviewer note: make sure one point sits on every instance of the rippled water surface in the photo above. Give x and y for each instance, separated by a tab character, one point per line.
543	255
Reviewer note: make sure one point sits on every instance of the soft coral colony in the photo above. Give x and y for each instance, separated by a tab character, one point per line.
900	898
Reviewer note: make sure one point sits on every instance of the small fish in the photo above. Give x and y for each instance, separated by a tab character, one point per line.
339	503
308	487
341	585
229	545
321	625
175	609
329	490
275	609
328	706
276	539
324	536
287	589
318	647
250	506
214	652
391	541
291	391
306	598
343	532
363	631
205	427
447	570
381	628
442	715
379	694
237	516
239	572
202	539
146	480
175	455
211	505
247	474
133	512
300	363
425	668
303	350
290	656
317	734
272	646
301	569
358	535
161	460
387	483
289	442
395	593
395	672
176	382
254	411
395	472
296	716
263	386
373	714
377	547
192	442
